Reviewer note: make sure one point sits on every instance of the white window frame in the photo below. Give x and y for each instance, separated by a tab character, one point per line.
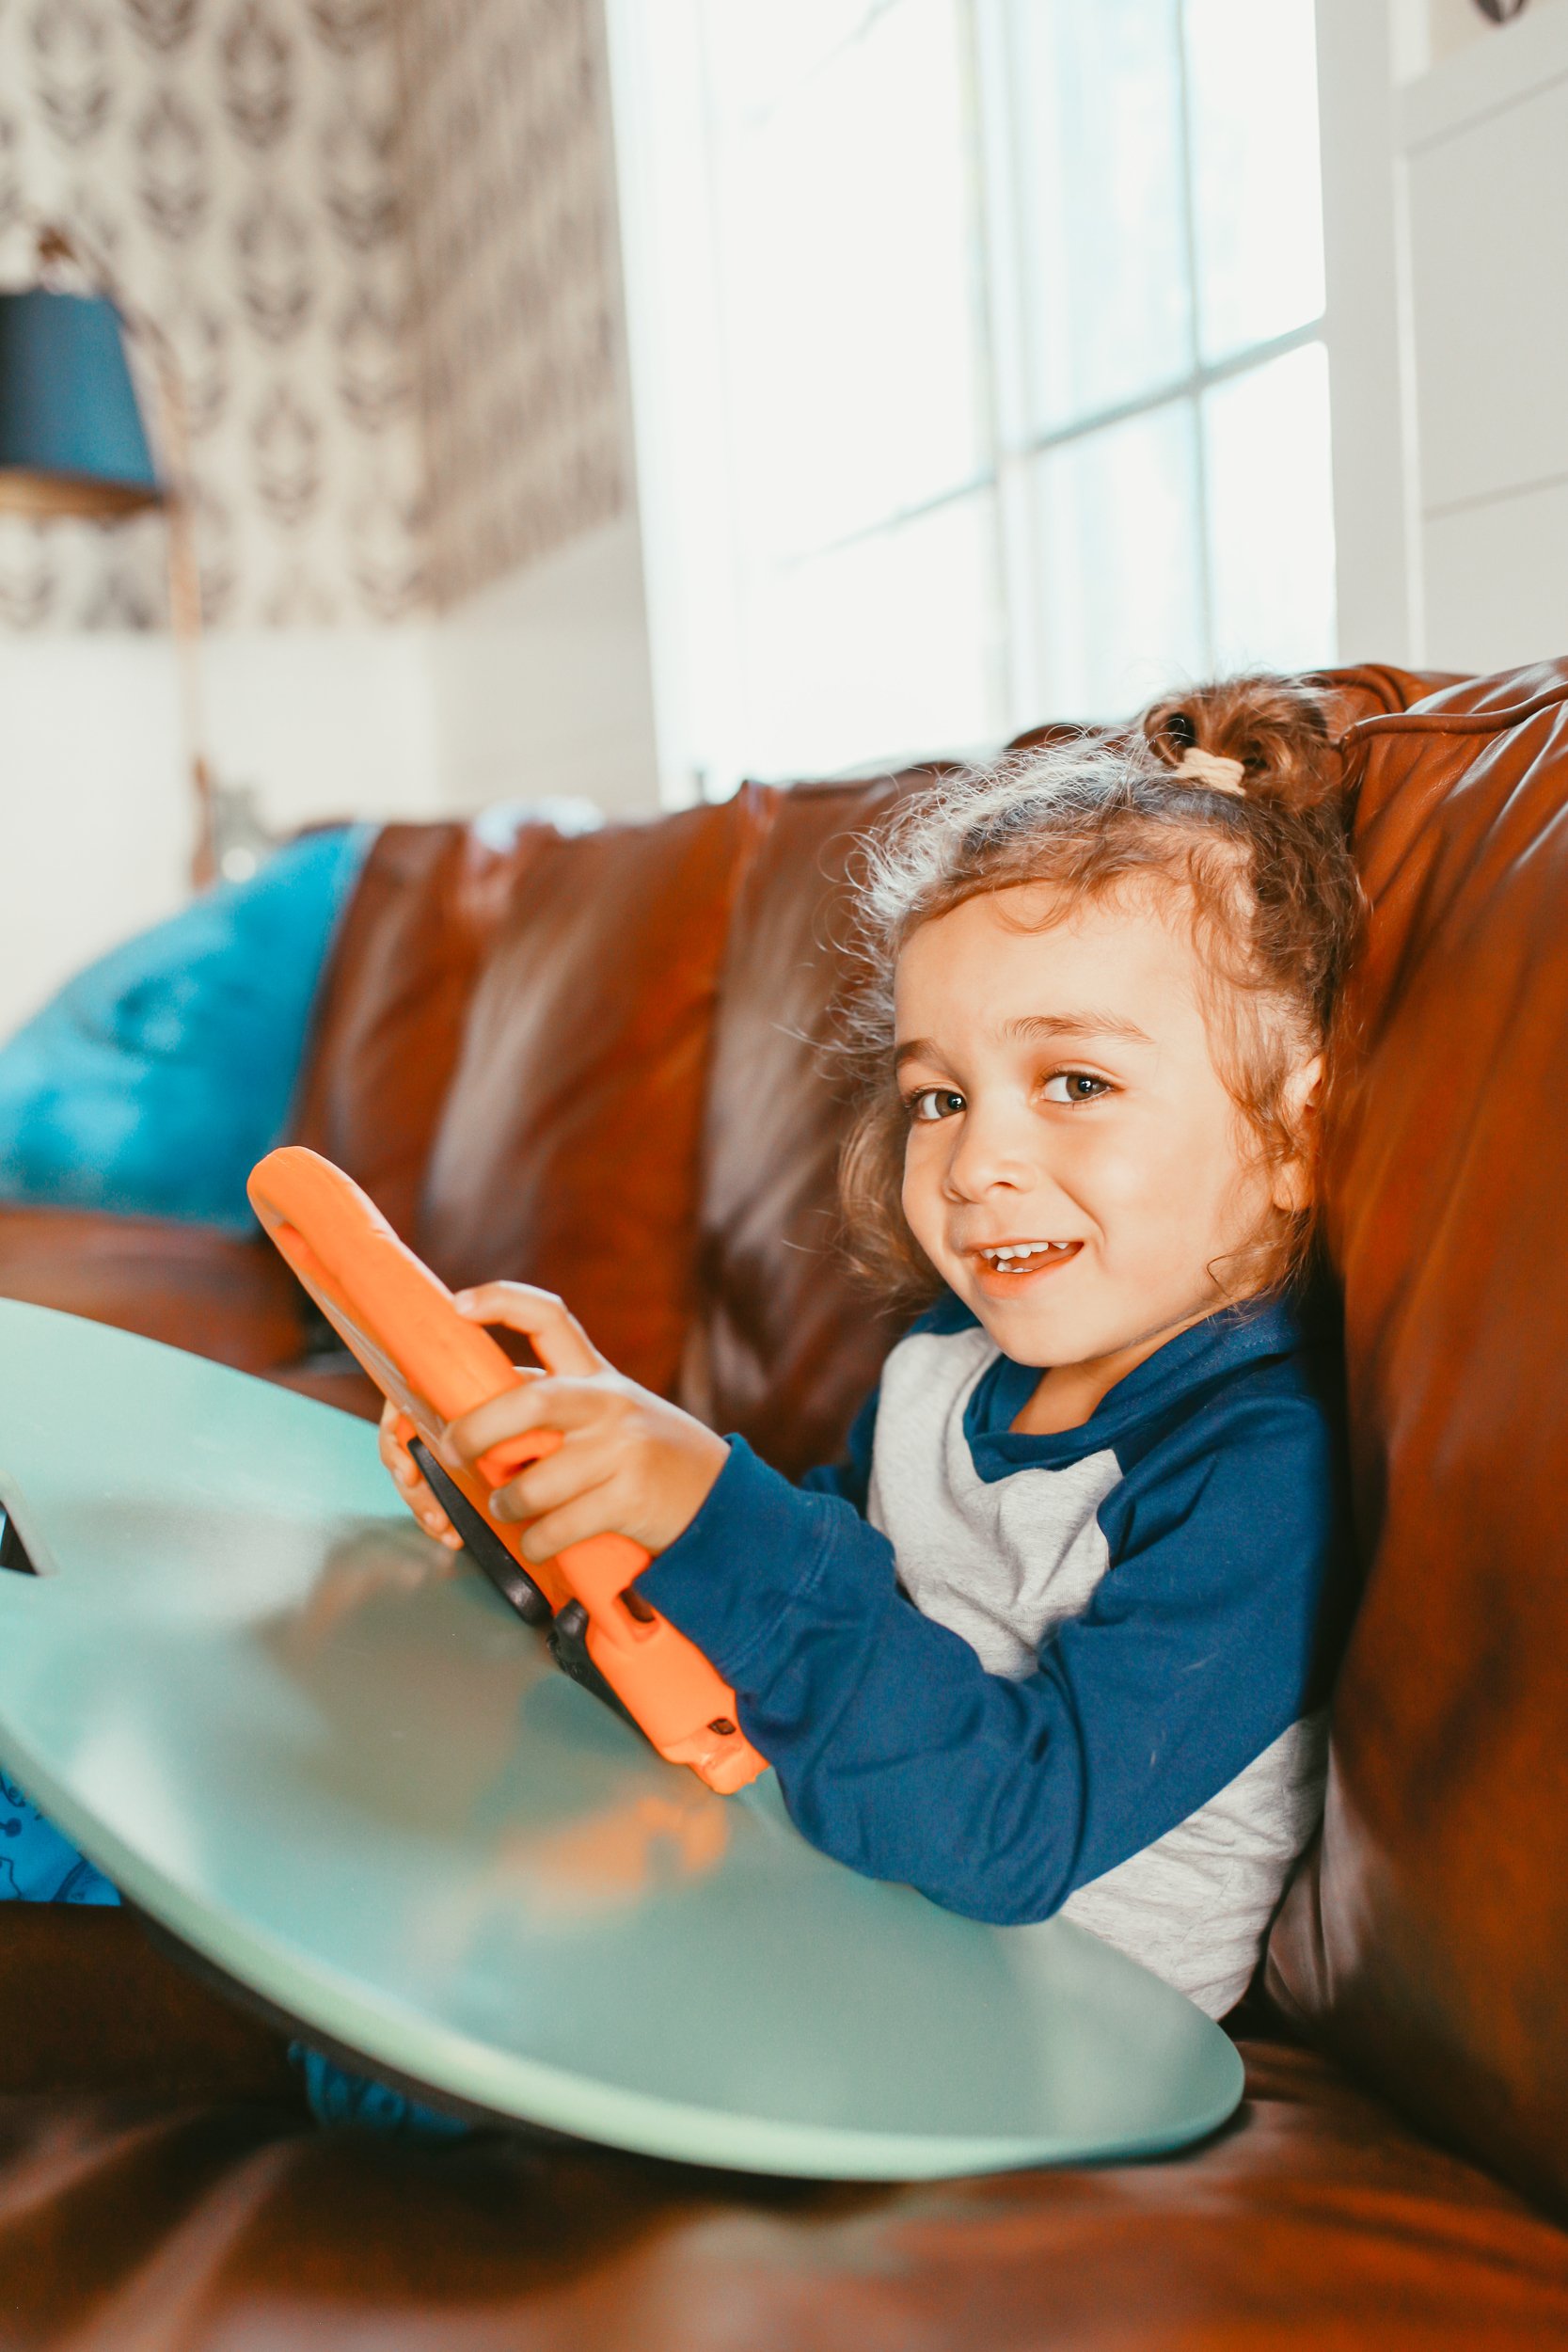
684	463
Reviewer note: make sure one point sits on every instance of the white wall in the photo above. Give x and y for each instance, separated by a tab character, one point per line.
538	685
541	682
1483	139
1427	31
95	808
1445	202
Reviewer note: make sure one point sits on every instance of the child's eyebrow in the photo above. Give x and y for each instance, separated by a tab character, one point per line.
1032	1026
1048	1024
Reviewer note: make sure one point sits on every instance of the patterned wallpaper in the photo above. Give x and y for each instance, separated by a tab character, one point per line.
270	187
509	187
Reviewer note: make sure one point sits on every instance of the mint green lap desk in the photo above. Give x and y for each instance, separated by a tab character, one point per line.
329	1760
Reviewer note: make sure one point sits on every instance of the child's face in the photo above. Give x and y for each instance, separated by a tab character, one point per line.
1065	1108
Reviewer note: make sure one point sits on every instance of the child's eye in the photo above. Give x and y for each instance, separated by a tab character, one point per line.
936	1102
1075	1085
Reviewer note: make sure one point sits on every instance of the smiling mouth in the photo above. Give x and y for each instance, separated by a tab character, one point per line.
1014	1258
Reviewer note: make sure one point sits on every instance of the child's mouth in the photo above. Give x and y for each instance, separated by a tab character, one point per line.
1008	1263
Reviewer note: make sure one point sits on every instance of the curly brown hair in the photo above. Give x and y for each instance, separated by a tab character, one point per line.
1230	795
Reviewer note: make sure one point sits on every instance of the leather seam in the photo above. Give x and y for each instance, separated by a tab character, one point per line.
1452	723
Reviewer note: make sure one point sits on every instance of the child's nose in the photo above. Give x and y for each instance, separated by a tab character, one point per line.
990	1152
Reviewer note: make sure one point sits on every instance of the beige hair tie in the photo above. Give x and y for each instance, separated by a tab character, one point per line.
1211	768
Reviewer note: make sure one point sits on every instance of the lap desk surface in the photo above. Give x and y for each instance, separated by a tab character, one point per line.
328	1759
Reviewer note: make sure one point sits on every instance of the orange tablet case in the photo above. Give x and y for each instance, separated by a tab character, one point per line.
400	1320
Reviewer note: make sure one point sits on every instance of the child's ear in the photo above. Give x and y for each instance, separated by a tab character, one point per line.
1299	1102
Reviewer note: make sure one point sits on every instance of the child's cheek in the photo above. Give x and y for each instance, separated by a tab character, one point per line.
922	1192
1125	1193
1157	1199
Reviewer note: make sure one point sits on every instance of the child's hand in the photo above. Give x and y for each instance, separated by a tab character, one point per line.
396	1430
628	1464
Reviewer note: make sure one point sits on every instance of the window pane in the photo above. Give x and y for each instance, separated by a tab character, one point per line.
1253	95
1271	516
1097	135
759	52
882	648
1121	594
850	274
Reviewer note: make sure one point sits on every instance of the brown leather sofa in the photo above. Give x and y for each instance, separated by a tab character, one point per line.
589	1061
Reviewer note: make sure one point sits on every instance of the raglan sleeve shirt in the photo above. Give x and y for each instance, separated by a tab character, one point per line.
898	1753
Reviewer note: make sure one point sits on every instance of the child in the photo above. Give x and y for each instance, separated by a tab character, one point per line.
1053	1638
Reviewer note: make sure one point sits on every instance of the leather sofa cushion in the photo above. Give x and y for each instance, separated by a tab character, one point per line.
1428	1939
784	1344
388	1021
92	2004
1371	689
1313	2221
567	1151
211	1293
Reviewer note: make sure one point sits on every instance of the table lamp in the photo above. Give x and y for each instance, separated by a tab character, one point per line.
71	438
73	442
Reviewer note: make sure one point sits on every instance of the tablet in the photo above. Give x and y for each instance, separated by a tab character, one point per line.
401	1322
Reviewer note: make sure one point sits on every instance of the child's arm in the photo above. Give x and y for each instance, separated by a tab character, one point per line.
894	1749
900	1754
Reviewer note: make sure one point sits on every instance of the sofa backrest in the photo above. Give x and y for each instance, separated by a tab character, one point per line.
596	1063
1427	1937
388	1021
567	1148
782	1344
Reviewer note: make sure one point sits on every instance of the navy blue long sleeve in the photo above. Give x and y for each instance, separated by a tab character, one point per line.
1200	1645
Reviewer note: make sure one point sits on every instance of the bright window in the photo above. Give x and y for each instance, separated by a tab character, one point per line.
977	364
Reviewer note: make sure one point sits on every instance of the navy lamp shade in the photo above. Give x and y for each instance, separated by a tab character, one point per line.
71	438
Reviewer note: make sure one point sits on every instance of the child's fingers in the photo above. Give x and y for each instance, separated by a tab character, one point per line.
559	1339
427	1509
541	1403
583	1462
592	1512
392	1439
392	1435
428	1512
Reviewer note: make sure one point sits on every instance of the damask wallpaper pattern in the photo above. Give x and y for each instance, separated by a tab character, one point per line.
271	180
509	192
233	161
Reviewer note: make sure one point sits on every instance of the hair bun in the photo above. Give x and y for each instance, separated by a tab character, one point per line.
1266	738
